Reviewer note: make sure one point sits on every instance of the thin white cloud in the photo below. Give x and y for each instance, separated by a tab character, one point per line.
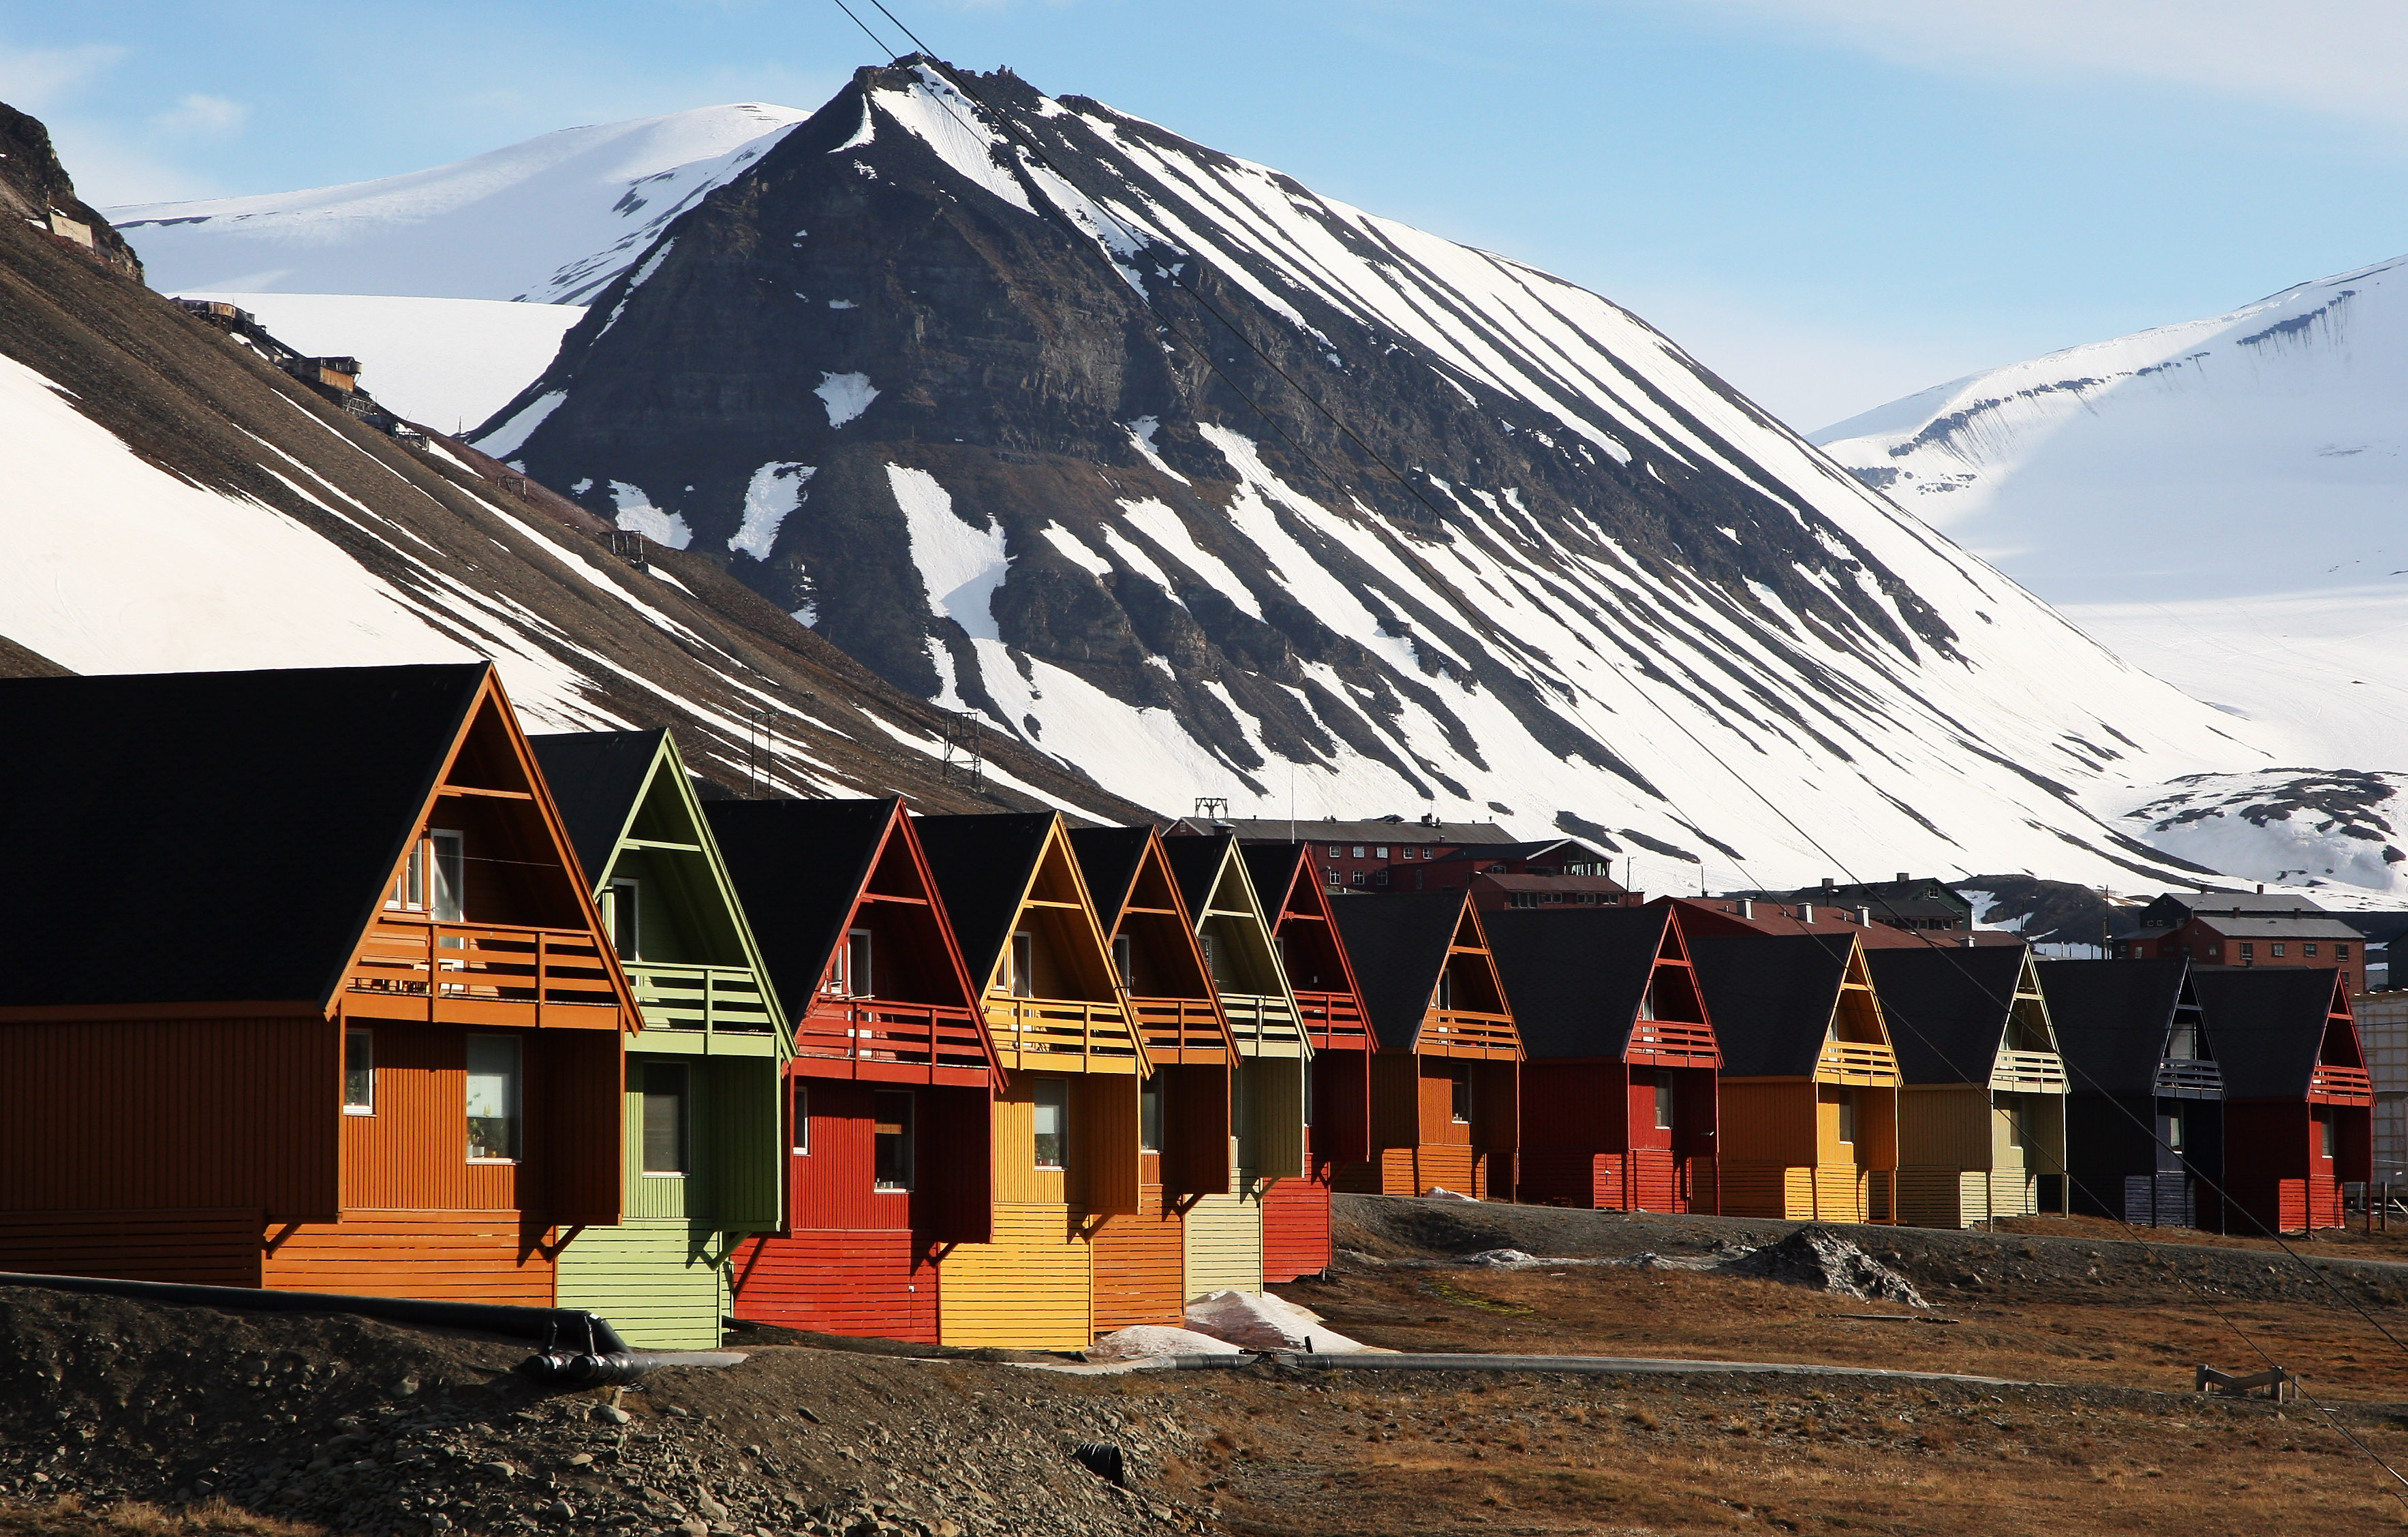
2348	58
195	113
34	78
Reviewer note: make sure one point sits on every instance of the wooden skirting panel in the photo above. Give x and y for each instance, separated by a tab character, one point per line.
215	1246
1414	1171
1138	1260
1296	1230
1225	1245
2286	1205
1032	1288
851	1280
452	1257
1832	1193
652	1277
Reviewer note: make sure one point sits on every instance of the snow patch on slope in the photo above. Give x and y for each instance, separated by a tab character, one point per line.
2296	826
638	515
961	566
846	396
775	491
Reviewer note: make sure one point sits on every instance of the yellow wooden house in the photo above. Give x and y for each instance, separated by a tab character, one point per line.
1810	1082
1067	1126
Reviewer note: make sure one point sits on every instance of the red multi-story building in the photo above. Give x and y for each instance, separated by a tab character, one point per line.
1391	854
2234	929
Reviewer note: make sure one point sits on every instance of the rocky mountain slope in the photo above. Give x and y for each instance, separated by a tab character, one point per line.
1042	411
174	503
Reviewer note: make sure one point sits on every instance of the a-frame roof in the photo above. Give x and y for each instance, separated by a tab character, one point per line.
800	868
1115	862
1576	976
1214	879
1111	858
1289	883
989	869
272	807
2269	1022
1773	998
1402	942
2114	1020
1948	1010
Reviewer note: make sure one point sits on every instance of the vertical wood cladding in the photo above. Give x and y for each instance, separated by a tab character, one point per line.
835	1181
840	1281
412	1153
1296	1230
461	1257
1138	1266
206	1248
1342	1107
181	1113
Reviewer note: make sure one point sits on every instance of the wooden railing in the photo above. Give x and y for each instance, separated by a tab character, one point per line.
1075	1036
1453	1032
1672	1040
2341	1081
1334	1021
1179	1027
2188	1076
909	1035
1261	1019
1855	1062
2028	1072
699	997
481	972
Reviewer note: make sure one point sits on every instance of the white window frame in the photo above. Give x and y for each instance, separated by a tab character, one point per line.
860	963
1848	1117
1125	960
1666	1111
799	1106
1051	1094
359	1039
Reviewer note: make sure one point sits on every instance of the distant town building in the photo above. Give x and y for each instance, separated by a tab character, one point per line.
2227	928
2383	1027
1925	905
1391	854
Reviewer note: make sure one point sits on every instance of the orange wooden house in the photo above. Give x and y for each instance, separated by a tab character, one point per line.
891	1091
1337	1097
1141	1256
1446	1078
377	1051
1619	1103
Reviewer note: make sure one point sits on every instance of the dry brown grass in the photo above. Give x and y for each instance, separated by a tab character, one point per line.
70	1517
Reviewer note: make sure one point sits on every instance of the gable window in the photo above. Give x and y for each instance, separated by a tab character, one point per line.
624	913
1663	1101
1848	1115
493	1098
1459	1092
1148	1116
891	1124
1125	960
1050	1119
359	1072
801	1131
2183	1044
666	1088
1442	996
1023	979
2325	1137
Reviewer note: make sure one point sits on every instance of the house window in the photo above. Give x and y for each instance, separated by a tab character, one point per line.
2183	1044
2324	1138
891	1124
1663	1101
1359	851
493	1098
447	864
665	1117
1148	1116
1358	878
2248	952
1848	1115
2215	950
2169	1130
2341	952
1459	1092
1050	1119
802	1126
624	913
2016	1130
2278	952
359	1072
1024	965
1333	851
2309	948
409	893
1381	852
1330	877
1125	960
860	981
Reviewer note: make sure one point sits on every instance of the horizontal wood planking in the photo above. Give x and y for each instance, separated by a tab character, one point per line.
1225	1245
1296	1230
1140	1266
213	1247
1031	1287
654	1278
874	1283
464	1257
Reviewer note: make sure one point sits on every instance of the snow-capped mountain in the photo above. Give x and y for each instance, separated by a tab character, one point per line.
2220	500
2298	826
1042	411
551	220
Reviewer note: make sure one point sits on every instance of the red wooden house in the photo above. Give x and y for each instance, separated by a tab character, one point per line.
2299	1105
1338	1098
1619	1104
891	1089
1446	1078
375	1044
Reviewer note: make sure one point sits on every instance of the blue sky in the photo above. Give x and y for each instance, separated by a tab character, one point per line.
1831	202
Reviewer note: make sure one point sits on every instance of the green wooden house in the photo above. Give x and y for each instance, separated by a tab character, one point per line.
706	1159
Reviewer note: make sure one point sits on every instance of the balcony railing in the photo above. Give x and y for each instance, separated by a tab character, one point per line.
1671	1041
1072	1037
1334	1021
2188	1078
1261	1019
2028	1072
711	998
2341	1083
1451	1032
897	1040
1855	1062
1179	1029
483	973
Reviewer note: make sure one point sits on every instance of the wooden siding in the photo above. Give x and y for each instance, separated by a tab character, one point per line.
656	1279
834	1183
1031	1288
217	1247
1271	1138
1225	1245
461	1257
1296	1230
1139	1268
839	1281
412	1153
172	1114
1782	1155
1414	1171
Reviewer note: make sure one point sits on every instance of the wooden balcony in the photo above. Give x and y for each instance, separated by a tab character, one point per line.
707	999
483	974
1179	1030
1333	1021
1672	1044
2028	1072
891	1042
2349	1085
1263	1025
1857	1062
2190	1078
1454	1032
1035	1034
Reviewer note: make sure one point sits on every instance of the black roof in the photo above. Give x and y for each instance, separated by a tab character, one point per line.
1379	830
1195	864
1947	1009
594	778
1771	998
1109	859
2269	1026
796	865
1399	946
210	837
1575	976
2112	1020
982	864
1271	867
